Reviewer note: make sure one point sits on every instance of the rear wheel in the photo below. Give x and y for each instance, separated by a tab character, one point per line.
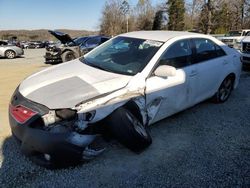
128	130
10	54
224	90
68	56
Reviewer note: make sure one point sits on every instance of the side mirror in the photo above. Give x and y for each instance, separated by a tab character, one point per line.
165	71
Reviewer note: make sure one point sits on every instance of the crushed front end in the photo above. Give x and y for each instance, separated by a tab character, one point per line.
52	138
53	55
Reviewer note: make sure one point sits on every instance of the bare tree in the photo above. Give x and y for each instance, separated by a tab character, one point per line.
144	15
193	9
113	21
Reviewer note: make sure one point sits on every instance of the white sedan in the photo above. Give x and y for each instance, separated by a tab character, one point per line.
121	87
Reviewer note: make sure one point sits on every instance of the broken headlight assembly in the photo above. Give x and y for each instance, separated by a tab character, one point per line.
69	114
88	116
60	116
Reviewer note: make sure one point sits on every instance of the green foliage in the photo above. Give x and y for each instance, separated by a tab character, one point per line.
176	11
221	19
157	20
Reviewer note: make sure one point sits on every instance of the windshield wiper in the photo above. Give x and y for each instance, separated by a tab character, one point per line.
97	66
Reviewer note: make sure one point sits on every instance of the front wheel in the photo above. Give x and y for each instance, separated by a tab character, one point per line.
224	90
128	130
68	56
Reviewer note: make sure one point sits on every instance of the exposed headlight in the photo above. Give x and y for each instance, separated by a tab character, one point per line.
67	114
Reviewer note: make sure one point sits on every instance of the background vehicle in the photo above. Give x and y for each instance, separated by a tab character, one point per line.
3	43
71	48
122	87
36	44
24	44
233	38
245	50
9	51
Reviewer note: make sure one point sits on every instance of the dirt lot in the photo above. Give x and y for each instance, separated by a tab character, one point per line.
12	71
205	146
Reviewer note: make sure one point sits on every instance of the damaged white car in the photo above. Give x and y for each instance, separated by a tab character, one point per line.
121	87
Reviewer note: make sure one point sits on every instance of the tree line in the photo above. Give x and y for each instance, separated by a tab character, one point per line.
204	16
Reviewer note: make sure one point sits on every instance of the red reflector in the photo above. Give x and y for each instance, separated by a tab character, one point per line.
21	114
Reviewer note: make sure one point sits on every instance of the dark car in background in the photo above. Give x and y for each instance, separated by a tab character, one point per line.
71	48
37	44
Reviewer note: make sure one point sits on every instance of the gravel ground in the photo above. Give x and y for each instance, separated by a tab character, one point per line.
205	146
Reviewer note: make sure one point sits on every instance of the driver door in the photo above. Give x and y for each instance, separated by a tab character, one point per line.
166	96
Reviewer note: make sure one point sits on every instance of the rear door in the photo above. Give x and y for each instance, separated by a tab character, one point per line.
212	64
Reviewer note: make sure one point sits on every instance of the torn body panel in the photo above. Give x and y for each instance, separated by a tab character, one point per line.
107	104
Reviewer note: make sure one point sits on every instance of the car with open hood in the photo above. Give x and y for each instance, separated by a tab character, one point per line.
121	87
71	48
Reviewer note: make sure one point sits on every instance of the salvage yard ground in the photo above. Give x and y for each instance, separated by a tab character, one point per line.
207	145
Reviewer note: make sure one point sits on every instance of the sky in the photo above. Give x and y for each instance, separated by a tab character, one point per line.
53	14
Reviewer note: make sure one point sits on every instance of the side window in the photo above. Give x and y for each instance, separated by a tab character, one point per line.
206	50
177	55
93	41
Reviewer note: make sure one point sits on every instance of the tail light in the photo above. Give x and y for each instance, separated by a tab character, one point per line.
21	114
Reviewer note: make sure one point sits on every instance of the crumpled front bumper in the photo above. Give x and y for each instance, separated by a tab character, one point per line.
51	58
62	148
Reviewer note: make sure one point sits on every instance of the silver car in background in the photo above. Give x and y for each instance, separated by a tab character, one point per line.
9	51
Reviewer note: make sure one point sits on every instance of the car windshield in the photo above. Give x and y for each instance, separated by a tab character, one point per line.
77	41
80	40
123	55
233	33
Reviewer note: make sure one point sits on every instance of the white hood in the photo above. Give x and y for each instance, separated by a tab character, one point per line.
68	84
246	39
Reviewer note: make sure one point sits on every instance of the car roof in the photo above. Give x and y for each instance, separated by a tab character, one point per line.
162	36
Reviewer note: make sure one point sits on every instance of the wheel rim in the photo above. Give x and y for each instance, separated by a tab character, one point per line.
225	89
137	125
10	54
69	57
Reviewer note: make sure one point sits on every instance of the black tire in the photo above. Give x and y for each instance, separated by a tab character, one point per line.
224	90
68	56
10	54
128	130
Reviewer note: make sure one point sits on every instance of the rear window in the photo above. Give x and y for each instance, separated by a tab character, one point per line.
207	49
